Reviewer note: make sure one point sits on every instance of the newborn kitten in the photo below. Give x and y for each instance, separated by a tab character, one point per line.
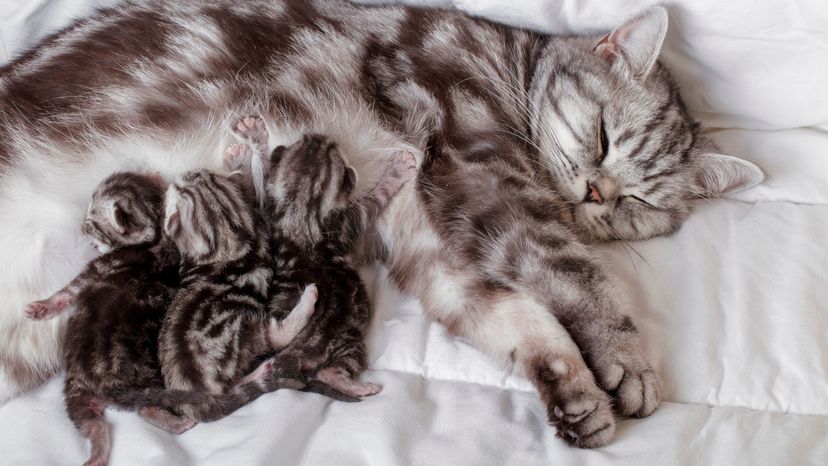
218	322
120	300
313	230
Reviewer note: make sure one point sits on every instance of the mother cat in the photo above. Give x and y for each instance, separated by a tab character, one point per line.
529	146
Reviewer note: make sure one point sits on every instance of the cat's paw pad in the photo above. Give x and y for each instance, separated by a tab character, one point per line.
237	157
252	129
583	419
637	394
404	166
626	375
182	425
47	308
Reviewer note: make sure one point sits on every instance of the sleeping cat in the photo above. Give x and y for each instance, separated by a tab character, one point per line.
529	147
218	323
120	301
313	229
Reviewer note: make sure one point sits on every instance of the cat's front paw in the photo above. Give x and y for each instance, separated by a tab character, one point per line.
580	411
630	379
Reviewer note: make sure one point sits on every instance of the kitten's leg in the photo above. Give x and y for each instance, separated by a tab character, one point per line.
166	420
261	373
342	380
237	158
49	307
520	332
365	210
281	333
86	412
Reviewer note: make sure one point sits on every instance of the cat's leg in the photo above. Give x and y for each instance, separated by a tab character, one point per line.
87	413
49	307
519	332
259	374
281	332
613	348
166	420
364	211
346	381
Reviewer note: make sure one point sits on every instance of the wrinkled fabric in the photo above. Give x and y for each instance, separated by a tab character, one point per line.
732	308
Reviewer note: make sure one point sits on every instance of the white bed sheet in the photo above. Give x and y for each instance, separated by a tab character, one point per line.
733	307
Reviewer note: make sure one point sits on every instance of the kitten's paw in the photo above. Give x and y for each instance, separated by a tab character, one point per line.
237	157
626	374
405	165
260	374
580	411
252	130
47	308
342	381
311	293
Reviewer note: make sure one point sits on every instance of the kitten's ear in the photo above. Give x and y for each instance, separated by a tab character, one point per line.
172	223
350	179
721	174
276	155
635	44
118	218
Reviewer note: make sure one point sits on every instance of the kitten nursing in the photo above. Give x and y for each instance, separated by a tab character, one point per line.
122	300
313	230
530	147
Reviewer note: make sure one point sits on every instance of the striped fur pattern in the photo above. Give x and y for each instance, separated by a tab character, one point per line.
529	146
314	226
111	347
218	323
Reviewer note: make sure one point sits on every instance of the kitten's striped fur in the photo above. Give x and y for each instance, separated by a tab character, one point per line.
218	323
528	145
314	226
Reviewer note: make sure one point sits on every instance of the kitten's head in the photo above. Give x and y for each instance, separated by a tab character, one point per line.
617	139
126	210
305	182
209	217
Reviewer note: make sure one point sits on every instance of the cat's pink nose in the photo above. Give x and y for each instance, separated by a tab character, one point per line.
593	195
600	190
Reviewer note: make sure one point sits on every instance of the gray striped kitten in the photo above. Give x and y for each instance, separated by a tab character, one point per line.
314	226
119	302
218	323
529	146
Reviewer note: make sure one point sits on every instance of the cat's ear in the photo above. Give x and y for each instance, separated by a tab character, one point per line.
118	217
276	155
721	174
172	223
350	179
635	44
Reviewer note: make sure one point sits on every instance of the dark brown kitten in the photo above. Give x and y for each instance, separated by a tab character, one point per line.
120	300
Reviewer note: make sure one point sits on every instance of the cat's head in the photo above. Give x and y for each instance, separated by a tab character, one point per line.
305	182
126	210
615	136
208	217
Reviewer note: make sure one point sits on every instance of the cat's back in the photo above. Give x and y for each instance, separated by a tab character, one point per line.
112	337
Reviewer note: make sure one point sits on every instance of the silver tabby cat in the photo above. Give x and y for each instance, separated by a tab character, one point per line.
529	146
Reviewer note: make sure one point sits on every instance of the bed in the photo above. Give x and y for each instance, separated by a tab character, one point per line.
734	307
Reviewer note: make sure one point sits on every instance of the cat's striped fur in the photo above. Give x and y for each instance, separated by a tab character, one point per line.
218	323
314	226
528	145
120	301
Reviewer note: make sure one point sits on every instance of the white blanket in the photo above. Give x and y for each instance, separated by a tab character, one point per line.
733	307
